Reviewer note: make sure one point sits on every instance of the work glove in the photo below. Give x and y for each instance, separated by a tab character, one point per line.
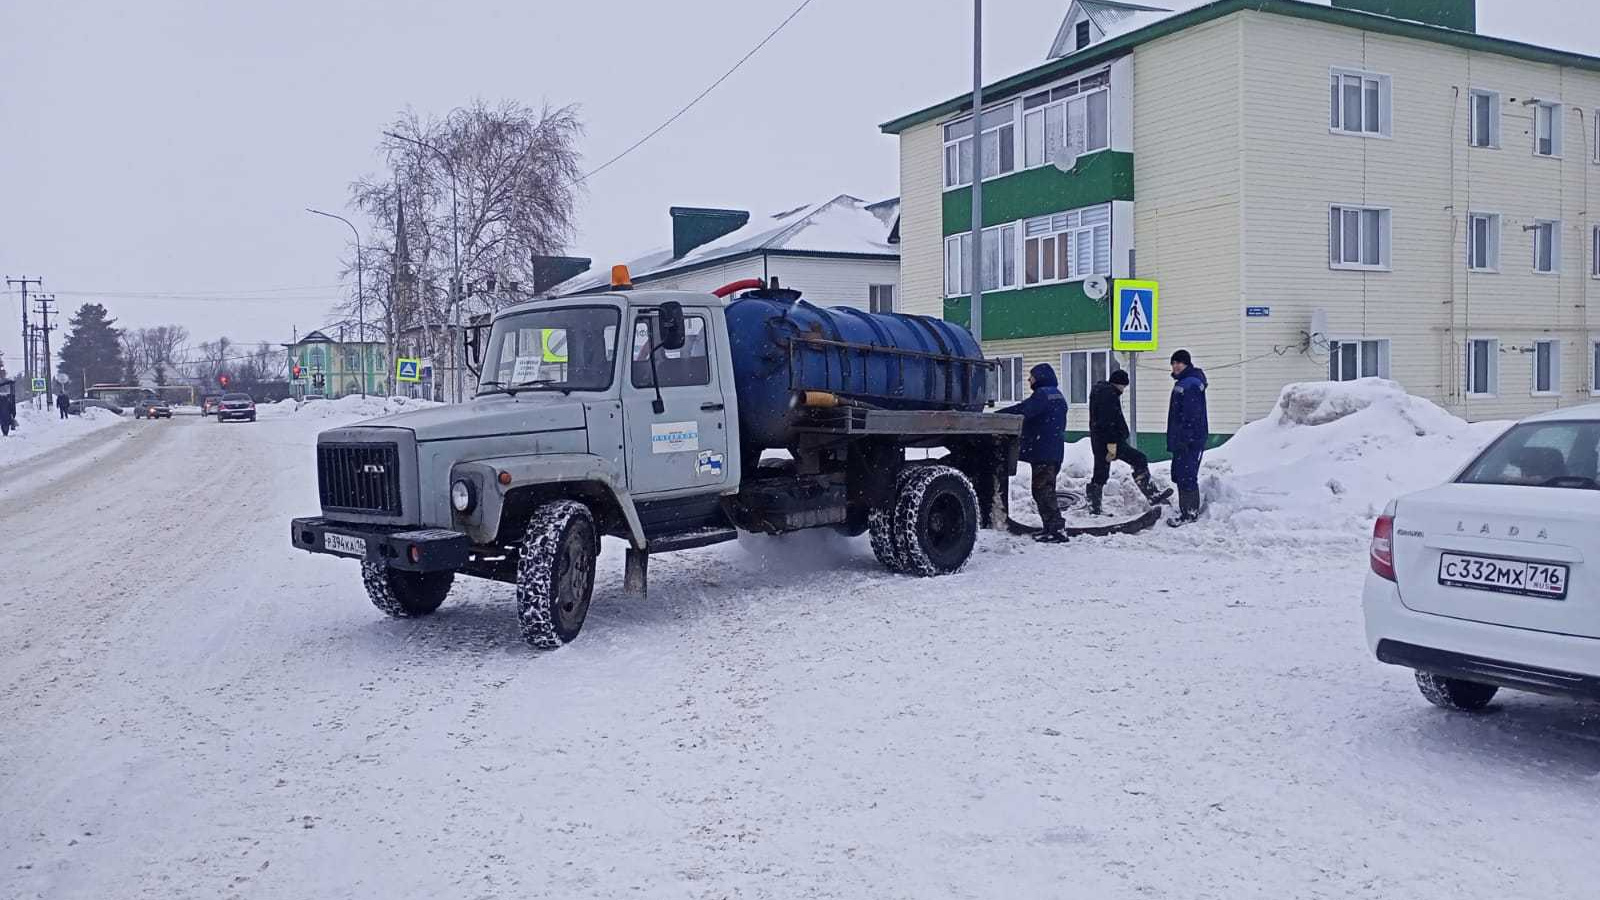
1111	453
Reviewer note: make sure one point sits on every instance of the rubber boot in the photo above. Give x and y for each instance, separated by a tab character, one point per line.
1095	493
1147	486
1188	508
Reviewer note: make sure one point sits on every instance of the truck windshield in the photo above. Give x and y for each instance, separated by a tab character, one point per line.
568	349
1541	454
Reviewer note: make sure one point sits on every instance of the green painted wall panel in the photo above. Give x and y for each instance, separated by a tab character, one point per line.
1097	178
1033	312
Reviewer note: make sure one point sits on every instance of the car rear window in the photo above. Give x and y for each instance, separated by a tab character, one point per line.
1541	454
231	398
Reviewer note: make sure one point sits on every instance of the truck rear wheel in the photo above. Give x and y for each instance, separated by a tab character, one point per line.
555	573
936	521
402	594
880	524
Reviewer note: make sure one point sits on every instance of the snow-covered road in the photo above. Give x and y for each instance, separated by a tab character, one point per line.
190	708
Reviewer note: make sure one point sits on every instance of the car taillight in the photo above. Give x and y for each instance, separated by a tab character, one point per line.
1382	553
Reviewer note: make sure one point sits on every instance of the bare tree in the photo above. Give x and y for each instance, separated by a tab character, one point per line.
517	181
134	358
211	360
163	349
257	367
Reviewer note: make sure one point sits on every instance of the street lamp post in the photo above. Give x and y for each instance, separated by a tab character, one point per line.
361	296
455	253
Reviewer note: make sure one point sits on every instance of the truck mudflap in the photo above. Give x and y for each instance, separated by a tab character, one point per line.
402	547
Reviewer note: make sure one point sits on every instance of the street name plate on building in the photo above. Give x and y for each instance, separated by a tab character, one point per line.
1257	312
1134	315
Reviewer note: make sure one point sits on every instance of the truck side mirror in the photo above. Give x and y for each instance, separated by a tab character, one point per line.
474	348
669	326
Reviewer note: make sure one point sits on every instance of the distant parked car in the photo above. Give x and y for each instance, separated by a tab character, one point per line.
209	404
82	403
152	408
236	407
1492	580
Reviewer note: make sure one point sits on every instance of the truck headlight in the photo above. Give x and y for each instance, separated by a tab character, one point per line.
463	495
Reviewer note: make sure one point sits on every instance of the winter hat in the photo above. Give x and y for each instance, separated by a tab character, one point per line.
1182	356
1119	377
1044	375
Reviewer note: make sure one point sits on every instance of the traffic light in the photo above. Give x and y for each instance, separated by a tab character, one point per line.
296	370
222	380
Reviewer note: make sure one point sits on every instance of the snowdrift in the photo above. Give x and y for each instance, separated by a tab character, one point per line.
1327	458
40	431
351	408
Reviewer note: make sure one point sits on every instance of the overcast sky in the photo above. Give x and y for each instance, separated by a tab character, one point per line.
168	147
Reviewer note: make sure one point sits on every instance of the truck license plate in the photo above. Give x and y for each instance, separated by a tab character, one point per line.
1505	576
344	543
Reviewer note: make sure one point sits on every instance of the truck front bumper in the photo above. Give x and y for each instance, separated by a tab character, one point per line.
400	547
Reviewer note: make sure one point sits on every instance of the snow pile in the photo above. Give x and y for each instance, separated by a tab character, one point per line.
41	431
1327	459
352	408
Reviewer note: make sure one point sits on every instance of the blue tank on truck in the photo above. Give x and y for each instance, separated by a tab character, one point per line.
784	346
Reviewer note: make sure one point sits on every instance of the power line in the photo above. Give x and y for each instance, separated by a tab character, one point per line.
231	292
701	96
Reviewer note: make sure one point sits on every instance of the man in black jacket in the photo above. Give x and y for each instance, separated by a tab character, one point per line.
1108	436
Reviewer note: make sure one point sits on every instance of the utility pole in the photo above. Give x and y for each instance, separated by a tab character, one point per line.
27	356
977	175
46	307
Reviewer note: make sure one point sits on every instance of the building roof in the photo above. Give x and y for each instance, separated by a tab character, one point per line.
844	226
1112	17
1148	29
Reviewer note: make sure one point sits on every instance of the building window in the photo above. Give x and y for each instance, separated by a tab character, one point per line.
1007	380
880	298
1067	246
1594	268
1082	368
1547	367
1358	238
1546	247
1547	129
1483	367
1075	115
1483	242
1082	34
1360	103
1349	360
999	261
998	139
1594	371
1485	119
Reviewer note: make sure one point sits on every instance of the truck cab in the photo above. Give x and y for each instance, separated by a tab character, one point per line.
615	414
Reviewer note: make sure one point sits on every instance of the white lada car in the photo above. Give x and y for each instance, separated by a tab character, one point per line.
1486	582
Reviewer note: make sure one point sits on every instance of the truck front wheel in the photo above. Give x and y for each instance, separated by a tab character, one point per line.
555	573
402	594
935	520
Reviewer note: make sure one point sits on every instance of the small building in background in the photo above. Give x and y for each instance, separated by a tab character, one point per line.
840	252
337	368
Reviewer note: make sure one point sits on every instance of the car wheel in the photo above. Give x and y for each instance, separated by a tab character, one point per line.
1455	693
555	573
402	594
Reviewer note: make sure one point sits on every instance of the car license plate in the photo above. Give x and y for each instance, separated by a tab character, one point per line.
1505	576
344	543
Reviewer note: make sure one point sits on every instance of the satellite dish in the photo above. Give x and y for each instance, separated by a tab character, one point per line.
1064	159
1096	287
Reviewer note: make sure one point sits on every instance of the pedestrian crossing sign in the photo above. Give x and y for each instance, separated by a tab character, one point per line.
408	369
1134	315
39	385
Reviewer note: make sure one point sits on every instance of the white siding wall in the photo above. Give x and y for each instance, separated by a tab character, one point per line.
707	279
922	220
1426	173
834	282
1187	217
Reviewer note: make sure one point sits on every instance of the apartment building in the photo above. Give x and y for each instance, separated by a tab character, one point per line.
1369	188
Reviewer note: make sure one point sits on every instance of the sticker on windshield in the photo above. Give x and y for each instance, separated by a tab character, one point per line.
674	437
525	370
709	462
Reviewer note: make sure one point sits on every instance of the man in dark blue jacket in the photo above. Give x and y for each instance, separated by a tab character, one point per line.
1187	431
1044	424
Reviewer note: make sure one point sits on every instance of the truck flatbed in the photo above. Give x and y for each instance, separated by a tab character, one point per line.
861	420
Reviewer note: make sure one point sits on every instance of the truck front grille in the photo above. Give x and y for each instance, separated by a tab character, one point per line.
359	478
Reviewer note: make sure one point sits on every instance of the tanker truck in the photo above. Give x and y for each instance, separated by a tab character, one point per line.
671	420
